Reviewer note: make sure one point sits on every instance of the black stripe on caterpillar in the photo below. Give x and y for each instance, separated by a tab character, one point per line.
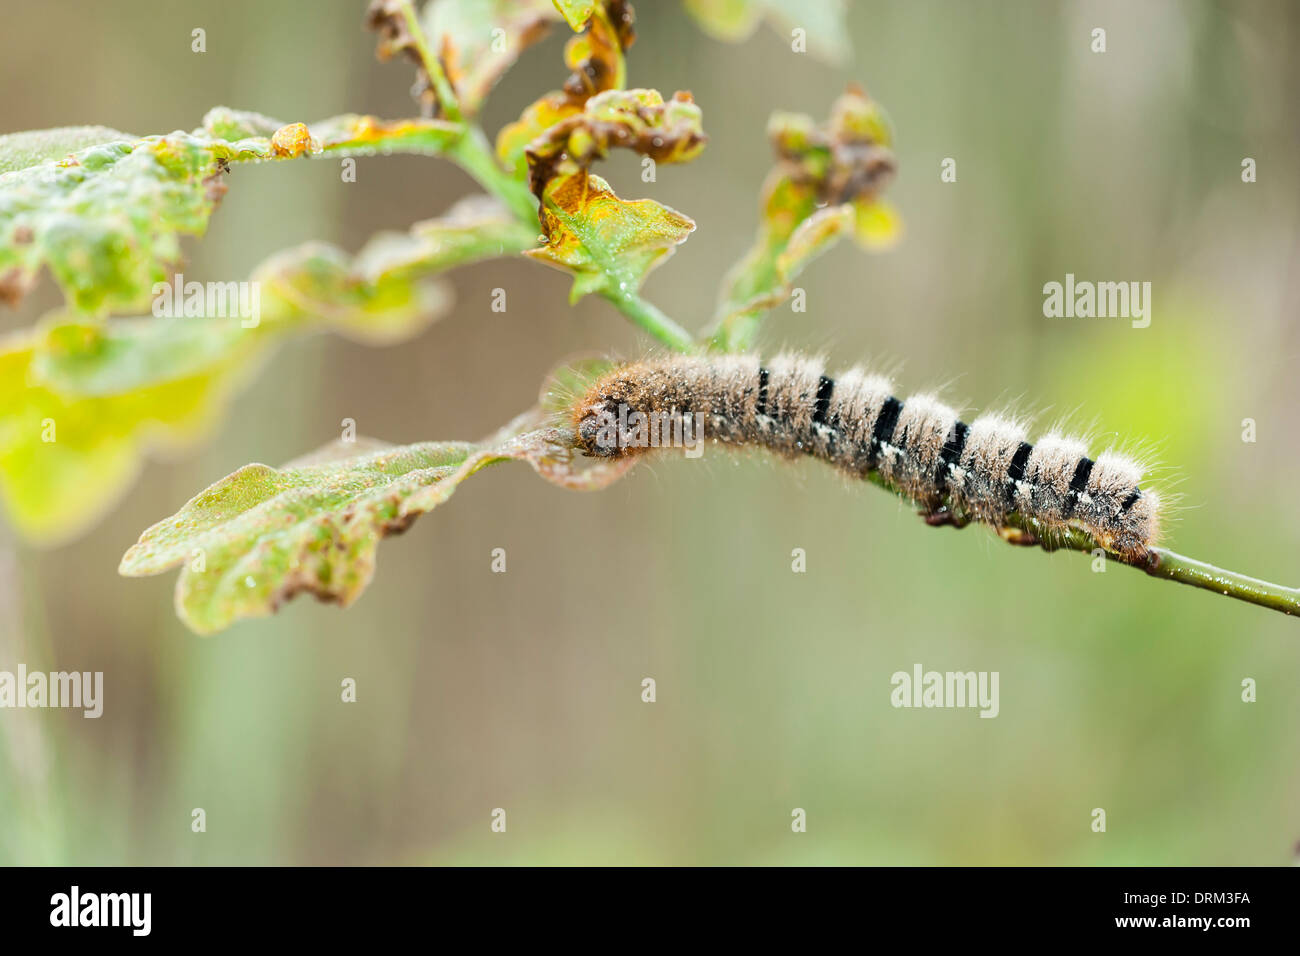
983	471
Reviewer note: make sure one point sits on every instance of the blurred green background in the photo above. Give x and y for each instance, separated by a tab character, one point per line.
522	690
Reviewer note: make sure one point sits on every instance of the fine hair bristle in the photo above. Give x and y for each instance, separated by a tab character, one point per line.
983	471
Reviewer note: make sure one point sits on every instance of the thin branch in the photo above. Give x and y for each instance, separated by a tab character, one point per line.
475	156
1176	567
649	318
1158	562
442	87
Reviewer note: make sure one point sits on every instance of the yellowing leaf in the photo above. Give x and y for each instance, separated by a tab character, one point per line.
576	13
609	244
876	224
106	220
350	134
728	20
822	21
597	56
81	402
811	238
537	118
262	535
368	136
64	460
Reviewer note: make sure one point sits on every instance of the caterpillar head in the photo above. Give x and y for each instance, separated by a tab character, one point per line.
1137	527
1126	515
597	432
596	422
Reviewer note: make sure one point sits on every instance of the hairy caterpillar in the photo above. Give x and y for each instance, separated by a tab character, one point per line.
983	471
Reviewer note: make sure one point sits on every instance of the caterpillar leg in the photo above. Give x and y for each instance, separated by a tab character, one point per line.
944	517
1020	537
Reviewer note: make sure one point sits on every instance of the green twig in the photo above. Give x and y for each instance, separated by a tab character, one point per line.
1176	567
649	318
1157	562
442	87
475	156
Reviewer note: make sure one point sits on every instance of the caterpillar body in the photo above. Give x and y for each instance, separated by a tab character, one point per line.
983	471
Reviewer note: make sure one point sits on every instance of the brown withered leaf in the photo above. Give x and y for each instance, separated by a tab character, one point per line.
394	21
850	158
476	42
537	118
460	48
826	184
638	120
596	57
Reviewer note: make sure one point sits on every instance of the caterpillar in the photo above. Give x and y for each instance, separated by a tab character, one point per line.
954	472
